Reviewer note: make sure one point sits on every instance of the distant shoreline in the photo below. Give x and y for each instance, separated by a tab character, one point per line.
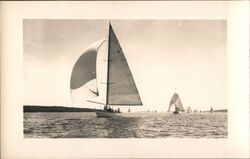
219	111
32	108
38	108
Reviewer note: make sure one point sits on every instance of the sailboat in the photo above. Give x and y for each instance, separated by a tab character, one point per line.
211	110
175	103
189	110
129	110
120	88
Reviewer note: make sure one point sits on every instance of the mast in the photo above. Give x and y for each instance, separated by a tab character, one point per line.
107	87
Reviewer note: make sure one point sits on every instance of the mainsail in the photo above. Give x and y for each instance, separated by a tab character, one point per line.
176	102
83	82
121	88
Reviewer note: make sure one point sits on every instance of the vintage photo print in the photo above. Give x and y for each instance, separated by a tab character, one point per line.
125	78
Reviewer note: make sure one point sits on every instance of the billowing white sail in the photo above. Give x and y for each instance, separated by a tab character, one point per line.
175	103
83	82
121	88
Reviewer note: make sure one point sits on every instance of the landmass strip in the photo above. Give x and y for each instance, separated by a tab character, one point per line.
32	108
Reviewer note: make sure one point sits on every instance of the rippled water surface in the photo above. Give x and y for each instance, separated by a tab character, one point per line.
127	125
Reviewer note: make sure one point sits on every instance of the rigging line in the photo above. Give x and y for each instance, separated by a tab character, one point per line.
95	92
89	85
95	102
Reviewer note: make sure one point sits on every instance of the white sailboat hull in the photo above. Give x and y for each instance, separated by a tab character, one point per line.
101	113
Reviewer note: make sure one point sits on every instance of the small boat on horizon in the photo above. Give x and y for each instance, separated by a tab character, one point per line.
189	110
129	110
211	110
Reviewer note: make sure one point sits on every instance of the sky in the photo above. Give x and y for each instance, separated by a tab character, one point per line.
165	56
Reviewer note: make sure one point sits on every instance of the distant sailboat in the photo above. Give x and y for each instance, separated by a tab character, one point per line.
189	110
211	110
175	103
120	86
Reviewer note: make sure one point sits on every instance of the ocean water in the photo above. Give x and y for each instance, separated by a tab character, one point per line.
127	125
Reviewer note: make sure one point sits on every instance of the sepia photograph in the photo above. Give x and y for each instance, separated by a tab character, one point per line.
125	78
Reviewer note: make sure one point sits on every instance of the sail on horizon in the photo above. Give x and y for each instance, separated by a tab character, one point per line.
175	101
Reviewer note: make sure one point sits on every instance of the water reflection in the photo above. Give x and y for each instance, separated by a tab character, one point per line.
149	125
118	127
